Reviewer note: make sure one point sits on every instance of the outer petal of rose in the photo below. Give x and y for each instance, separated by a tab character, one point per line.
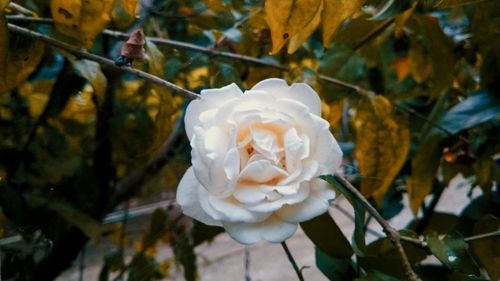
272	229
327	152
188	198
300	92
316	204
211	98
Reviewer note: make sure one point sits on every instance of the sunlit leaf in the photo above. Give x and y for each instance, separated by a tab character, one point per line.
402	67
292	20
334	13
487	250
424	167
452	251
382	144
123	13
82	20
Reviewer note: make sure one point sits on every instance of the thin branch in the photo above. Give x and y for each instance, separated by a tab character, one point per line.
292	261
82	53
390	231
483	235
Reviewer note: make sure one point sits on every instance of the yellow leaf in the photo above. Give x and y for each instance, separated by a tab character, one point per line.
304	22
17	60
424	167
81	19
334	14
3	4
215	5
278	13
401	20
292	20
382	144
123	14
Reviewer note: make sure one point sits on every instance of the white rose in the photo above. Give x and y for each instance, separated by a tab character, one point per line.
256	157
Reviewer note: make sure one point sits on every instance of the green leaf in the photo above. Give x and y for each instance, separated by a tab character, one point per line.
359	244
335	269
452	251
487	250
382	255
114	260
475	110
382	144
377	276
327	236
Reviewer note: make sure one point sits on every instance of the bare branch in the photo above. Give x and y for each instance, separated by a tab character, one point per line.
292	261
82	53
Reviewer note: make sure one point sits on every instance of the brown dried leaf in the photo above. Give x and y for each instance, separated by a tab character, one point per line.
382	144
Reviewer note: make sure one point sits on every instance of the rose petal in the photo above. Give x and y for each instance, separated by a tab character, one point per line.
272	229
300	92
210	99
188	198
273	205
234	211
249	194
261	171
327	152
316	204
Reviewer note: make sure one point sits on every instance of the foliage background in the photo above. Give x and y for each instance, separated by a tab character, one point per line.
410	89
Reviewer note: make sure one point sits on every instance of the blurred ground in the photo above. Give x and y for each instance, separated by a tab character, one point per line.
224	259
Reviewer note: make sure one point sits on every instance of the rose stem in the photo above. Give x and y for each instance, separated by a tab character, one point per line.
292	261
389	230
